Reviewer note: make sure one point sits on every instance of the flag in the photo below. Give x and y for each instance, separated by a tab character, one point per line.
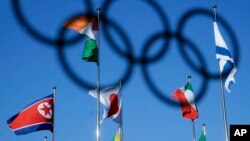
89	26
90	53
226	61
35	117
117	136
84	25
111	100
203	134
186	97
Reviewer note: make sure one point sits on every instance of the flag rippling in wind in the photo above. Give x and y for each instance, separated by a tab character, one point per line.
226	61
186	97
89	26
112	101
35	117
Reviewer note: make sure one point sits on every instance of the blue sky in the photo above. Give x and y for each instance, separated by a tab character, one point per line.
32	63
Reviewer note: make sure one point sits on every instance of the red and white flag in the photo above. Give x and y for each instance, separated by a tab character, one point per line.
112	101
35	117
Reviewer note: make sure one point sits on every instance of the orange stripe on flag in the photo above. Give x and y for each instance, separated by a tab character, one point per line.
81	22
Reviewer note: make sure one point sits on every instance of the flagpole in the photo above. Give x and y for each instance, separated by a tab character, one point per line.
98	81
121	118
224	108
45	138
215	14
54	105
193	127
193	130
204	128
222	92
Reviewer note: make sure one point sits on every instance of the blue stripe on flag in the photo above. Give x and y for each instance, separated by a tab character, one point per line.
223	51
37	127
227	68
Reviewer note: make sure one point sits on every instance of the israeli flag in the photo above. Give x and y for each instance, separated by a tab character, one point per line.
225	58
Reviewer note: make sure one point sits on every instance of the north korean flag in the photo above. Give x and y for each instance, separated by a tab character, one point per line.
35	117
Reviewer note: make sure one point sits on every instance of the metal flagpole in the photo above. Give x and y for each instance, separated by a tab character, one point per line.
193	127
204	129
120	131
45	138
222	92
53	113
224	108
193	130
98	81
121	116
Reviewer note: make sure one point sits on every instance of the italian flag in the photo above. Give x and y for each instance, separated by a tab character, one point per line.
112	101
186	98
87	25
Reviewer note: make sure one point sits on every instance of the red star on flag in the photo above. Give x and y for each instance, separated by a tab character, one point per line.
45	109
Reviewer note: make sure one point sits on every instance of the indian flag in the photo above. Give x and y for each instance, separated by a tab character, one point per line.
186	97
87	25
84	25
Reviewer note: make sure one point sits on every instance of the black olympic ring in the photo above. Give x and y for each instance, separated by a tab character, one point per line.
34	33
83	83
129	54
162	96
144	61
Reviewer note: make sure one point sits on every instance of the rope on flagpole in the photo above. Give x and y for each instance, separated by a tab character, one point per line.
53	113
98	80
222	91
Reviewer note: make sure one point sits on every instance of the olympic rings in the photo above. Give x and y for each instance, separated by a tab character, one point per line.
144	60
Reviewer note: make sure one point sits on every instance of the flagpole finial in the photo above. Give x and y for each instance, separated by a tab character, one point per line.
45	138
99	9
215	14
120	83
54	87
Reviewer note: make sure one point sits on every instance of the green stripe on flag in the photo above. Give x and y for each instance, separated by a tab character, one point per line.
90	52
202	138
188	87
